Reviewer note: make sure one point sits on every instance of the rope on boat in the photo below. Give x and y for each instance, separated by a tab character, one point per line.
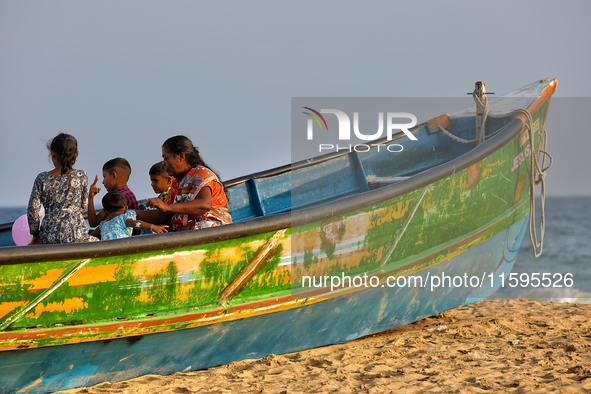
482	113
482	105
43	295
464	141
538	245
541	169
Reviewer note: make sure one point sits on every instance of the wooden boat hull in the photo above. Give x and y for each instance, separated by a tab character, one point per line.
75	315
330	321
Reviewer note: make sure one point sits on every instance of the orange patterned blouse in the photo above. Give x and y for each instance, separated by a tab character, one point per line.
188	188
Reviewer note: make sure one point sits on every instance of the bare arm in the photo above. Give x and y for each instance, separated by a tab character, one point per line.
146	226
94	219
155	216
195	209
96	233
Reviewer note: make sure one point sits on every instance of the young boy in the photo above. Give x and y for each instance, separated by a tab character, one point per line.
115	176
160	180
119	222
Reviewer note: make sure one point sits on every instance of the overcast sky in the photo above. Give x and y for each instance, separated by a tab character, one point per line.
122	76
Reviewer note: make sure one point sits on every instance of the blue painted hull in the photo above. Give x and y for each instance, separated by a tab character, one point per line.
331	321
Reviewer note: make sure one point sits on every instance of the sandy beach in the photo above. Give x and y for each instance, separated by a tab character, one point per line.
491	346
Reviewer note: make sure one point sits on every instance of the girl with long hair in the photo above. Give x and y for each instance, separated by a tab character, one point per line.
63	193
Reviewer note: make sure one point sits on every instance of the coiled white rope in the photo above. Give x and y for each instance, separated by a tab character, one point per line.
482	105
535	166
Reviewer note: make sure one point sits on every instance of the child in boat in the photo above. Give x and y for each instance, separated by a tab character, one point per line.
120	222
63	193
160	180
116	173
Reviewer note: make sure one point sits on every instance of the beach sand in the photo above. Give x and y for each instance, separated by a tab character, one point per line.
491	346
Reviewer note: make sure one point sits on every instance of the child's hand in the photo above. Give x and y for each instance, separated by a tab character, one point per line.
159	229
93	189
156	203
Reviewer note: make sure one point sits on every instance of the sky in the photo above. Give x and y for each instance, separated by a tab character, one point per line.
123	76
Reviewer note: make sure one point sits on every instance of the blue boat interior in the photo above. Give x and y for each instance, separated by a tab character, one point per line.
351	172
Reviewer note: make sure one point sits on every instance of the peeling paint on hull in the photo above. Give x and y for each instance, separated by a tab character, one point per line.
327	322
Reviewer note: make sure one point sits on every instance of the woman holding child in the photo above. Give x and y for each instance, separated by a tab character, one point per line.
197	198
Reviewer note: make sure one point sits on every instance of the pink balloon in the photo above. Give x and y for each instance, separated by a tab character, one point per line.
20	231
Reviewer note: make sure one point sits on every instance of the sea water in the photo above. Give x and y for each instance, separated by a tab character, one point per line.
567	250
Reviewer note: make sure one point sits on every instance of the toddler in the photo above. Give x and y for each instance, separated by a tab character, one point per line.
119	222
160	180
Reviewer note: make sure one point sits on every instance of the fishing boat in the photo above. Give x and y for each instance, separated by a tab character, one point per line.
457	206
